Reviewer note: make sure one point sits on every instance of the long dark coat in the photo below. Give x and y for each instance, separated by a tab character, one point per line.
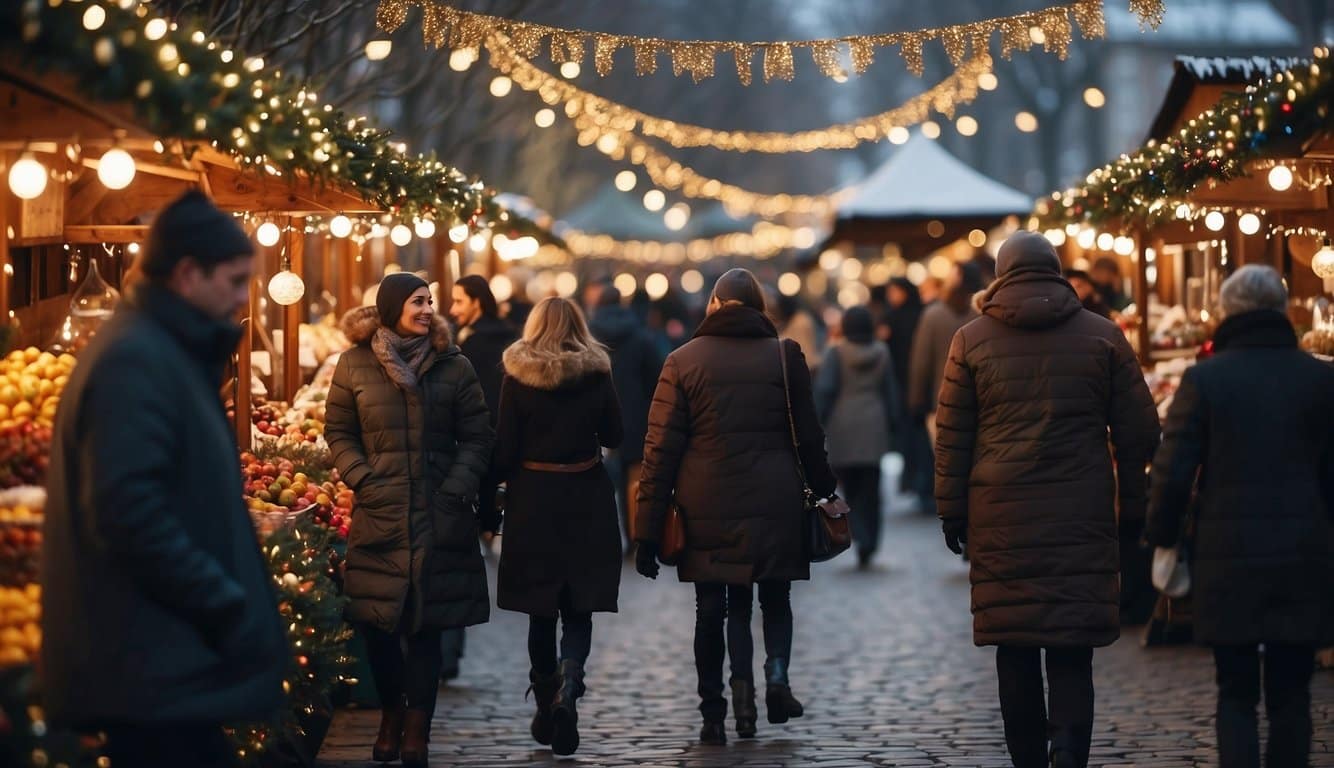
415	459
635	365
1030	393
484	343
157	605
1257	423
719	444
561	529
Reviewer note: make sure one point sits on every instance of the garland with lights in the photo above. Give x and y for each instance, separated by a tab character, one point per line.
1220	144
603	115
184	87
443	24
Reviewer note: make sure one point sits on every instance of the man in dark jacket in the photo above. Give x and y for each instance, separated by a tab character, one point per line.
1255	423
635	365
1024	476
159	619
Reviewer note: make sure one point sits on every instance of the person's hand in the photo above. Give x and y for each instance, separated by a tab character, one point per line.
646	559
955	537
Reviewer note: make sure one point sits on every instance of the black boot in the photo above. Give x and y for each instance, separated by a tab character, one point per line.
543	689
564	716
779	702
416	732
713	733
389	739
743	708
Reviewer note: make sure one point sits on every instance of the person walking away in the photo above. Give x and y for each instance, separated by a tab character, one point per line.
1255	425
635	364
910	440
483	337
1031	392
856	397
408	429
562	554
188	635
719	447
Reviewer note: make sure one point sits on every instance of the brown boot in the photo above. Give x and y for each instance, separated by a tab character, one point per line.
391	735
416	732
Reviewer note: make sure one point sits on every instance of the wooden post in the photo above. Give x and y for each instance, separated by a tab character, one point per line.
293	314
5	266
241	401
1141	295
347	275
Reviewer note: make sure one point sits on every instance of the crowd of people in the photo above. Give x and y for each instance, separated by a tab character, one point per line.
1022	414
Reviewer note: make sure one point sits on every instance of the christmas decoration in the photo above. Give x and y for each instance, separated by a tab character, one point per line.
1220	144
445	25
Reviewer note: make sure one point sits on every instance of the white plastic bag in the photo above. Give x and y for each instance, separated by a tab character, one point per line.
1171	572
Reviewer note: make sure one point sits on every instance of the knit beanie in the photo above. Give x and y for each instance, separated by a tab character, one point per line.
394	291
192	226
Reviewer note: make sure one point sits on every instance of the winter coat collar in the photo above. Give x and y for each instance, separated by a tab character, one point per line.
491	327
545	370
360	324
737	321
207	340
1031	298
1261	328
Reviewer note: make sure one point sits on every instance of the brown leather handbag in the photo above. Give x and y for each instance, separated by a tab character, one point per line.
672	544
828	531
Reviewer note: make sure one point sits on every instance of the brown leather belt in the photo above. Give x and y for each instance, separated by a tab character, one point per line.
542	466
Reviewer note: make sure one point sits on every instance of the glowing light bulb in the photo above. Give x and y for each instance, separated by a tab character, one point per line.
458	233
268	234
626	180
340	226
1215	221
545	118
500	86
27	178
378	50
1280	178
425	229
286	288
94	17
1249	223
654	200
116	168
400	235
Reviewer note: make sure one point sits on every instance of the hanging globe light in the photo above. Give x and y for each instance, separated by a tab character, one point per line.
1280	178
340	226
1323	261
268	234
425	229
116	169
400	235
1215	221
286	288
27	177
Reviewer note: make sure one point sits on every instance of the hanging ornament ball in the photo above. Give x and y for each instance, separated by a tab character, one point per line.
1323	261
290	580
1280	178
116	169
287	288
400	235
27	178
340	226
268	234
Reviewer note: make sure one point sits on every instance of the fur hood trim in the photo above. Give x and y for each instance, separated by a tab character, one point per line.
360	324
543	370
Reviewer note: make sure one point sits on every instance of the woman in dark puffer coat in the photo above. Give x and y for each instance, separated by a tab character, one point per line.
1024	475
720	447
409	431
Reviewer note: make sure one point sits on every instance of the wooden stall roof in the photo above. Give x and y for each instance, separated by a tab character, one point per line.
46	113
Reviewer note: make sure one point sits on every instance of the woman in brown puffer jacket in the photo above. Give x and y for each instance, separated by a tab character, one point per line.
409	431
1024	476
720	447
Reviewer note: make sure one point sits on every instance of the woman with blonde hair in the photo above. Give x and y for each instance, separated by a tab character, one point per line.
562	553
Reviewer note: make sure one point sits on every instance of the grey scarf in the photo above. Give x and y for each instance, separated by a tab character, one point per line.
403	359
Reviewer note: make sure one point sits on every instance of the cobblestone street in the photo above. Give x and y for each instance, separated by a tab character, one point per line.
884	662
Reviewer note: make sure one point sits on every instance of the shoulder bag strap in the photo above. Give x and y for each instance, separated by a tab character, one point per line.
791	422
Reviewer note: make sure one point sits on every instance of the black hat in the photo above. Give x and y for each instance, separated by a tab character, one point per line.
192	226
858	325
393	294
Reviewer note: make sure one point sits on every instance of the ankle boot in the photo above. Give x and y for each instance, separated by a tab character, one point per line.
713	733
544	689
416	732
390	736
743	708
780	704
564	716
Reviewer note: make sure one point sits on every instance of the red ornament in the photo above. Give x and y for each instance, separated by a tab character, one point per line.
1286	107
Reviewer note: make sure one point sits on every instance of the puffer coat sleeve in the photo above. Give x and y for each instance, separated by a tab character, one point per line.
1177	462
956	425
810	435
472	431
1135	433
664	445
342	428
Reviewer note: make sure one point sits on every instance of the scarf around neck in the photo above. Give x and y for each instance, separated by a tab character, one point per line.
404	359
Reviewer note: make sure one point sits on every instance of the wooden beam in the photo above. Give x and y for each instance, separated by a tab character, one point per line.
293	314
106	233
152	169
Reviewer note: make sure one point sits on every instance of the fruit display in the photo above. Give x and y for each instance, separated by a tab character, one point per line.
25	450
20	596
303	423
277	491
20	625
322	339
30	385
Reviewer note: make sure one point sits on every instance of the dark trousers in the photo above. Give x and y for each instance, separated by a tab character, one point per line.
1030	719
453	642
406	669
1287	692
576	639
729	605
861	484
168	745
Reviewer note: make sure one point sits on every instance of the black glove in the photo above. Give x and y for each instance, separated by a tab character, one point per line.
646	559
956	535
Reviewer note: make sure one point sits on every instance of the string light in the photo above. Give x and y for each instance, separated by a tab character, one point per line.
94	18
987	81
378	50
458	233
626	180
340	226
1249	224
789	284
1026	122
444	25
966	125
1095	98
500	86
545	118
1215	220
692	281
1280	178
27	177
268	234
931	129
656	285
569	70
400	235
654	199
116	168
1322	263
425	228
462	58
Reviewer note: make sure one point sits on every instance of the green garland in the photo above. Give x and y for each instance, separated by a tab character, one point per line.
184	87
1144	188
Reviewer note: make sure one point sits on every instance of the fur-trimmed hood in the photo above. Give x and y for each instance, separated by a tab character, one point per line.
360	324
544	370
